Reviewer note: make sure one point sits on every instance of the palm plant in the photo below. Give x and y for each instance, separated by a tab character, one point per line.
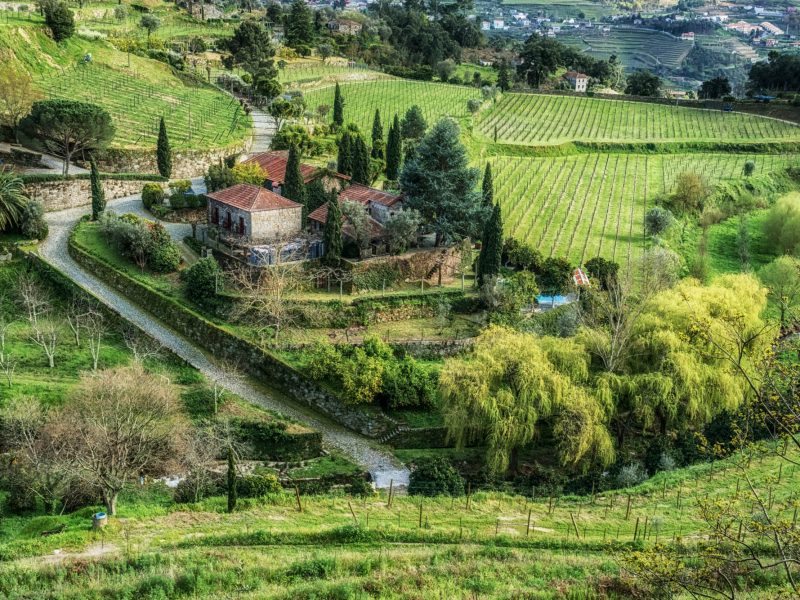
12	198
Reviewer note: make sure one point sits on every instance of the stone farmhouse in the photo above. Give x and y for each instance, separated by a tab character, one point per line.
257	224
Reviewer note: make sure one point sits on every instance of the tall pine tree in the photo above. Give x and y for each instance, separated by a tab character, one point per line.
293	186
377	136
163	151
491	254
488	186
332	236
394	151
360	155
299	26
338	107
98	195
344	157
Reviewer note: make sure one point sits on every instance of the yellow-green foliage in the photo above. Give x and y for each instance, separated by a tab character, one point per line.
513	380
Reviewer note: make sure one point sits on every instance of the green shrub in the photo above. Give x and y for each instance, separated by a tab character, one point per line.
32	223
152	194
316	568
258	484
435	477
200	281
164	258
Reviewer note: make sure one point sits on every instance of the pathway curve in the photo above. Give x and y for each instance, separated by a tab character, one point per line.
381	464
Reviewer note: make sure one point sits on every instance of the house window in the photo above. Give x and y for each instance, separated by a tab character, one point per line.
241	226
216	215
228	220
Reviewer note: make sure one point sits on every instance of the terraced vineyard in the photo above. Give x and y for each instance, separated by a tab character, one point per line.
636	48
594	204
197	117
315	73
395	97
545	119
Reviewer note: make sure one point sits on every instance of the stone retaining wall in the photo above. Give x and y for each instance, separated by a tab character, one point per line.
185	163
72	193
368	421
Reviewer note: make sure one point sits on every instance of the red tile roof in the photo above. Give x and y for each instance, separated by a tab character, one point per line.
251	198
363	194
274	164
575	75
320	214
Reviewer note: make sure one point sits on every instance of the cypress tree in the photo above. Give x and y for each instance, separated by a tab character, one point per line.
231	481
332	236
360	165
98	195
344	157
293	187
338	107
377	136
163	151
502	77
394	151
488	186
490	258
315	194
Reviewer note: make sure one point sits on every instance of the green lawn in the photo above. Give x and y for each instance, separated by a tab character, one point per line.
340	546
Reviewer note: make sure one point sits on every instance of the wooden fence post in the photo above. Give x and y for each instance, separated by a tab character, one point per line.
297	496
528	529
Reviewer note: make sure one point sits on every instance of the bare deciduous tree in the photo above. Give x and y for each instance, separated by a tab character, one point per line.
33	297
123	422
44	333
264	296
142	346
96	329
77	314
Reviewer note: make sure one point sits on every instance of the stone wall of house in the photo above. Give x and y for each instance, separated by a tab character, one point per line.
283	223
418	264
60	195
185	163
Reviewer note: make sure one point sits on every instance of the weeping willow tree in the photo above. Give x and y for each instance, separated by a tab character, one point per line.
500	394
686	354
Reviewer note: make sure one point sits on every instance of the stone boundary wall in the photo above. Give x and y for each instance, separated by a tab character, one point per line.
185	163
72	193
419	437
368	421
429	349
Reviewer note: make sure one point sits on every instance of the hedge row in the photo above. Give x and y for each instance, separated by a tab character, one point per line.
570	148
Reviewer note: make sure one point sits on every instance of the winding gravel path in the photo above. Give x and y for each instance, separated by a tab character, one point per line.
379	462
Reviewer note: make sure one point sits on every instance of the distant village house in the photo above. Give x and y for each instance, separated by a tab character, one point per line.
578	81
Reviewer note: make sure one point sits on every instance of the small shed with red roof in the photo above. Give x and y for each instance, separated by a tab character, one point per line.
273	163
253	212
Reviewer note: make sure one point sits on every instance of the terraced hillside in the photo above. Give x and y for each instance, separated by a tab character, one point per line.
544	119
636	48
135	90
594	204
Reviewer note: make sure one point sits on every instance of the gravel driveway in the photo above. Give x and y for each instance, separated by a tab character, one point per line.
381	464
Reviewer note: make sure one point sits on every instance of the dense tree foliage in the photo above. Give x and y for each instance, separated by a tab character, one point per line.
782	225
502	392
338	106
715	88
59	19
394	151
293	185
64	127
163	151
298	27
332	236
377	137
643	83
490	258
779	72
439	183
541	56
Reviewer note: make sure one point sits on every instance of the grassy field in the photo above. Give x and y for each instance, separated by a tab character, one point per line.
594	204
533	119
135	90
395	97
492	545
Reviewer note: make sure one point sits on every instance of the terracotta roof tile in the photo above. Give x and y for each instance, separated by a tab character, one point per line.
363	194
251	198
274	164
